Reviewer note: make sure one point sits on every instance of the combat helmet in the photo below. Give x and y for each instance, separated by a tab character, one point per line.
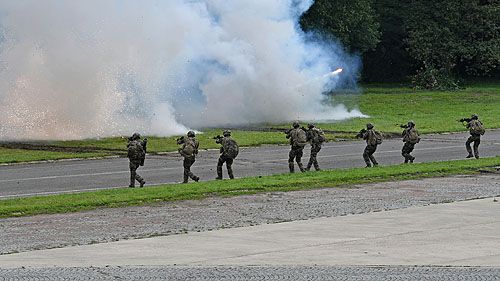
411	123
226	133
135	136
190	134
296	124
474	116
369	125
310	125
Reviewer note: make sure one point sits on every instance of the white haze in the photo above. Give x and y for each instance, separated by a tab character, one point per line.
97	68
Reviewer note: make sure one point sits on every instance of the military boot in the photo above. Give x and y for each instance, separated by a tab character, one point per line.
196	179
143	182
132	181
290	166
301	167
412	158
219	173
185	179
230	172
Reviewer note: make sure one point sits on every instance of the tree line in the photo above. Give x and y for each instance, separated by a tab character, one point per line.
430	43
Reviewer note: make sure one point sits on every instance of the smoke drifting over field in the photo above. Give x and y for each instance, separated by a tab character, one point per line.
84	69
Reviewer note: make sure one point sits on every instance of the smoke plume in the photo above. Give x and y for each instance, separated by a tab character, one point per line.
94	68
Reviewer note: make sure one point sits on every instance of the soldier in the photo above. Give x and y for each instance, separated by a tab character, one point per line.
298	139
189	150
373	138
136	155
410	138
316	137
228	151
476	129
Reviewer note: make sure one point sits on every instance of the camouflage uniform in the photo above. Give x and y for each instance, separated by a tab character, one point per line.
474	138
408	146
370	148
134	160
189	159
313	138
296	151
224	158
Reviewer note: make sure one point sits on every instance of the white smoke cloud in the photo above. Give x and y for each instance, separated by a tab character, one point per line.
94	68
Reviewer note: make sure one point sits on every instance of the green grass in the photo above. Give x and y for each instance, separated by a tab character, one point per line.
386	104
20	155
283	182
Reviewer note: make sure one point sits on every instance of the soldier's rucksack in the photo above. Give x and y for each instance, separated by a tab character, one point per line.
413	137
375	138
135	150
319	135
189	147
299	138
231	148
476	127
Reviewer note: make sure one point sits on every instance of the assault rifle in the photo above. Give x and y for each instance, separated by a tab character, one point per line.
361	133
180	140
218	138
404	126
465	119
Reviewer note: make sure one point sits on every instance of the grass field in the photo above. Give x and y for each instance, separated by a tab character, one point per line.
433	112
21	155
282	182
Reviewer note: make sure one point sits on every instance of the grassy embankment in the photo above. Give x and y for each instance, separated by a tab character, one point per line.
433	112
21	155
283	182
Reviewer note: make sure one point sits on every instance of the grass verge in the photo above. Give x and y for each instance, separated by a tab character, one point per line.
283	182
21	155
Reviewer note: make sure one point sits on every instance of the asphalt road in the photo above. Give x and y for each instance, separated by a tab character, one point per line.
88	175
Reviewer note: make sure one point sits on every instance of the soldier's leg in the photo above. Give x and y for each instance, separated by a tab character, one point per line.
467	146
366	157
219	168
372	158
291	156
410	150
229	164
404	152
187	168
311	161
315	160
298	158
133	169
190	174
477	141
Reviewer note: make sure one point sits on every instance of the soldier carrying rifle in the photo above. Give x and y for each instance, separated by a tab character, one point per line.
476	130
410	138
298	139
373	138
136	153
228	151
189	150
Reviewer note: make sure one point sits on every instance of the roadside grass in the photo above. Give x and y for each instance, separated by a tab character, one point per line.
283	182
386	105
21	155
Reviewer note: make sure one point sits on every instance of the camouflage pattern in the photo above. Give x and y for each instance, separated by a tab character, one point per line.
134	162
370	148
313	138
408	145
223	158
474	138
296	152
189	159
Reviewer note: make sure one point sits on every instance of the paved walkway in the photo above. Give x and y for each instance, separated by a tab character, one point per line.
454	234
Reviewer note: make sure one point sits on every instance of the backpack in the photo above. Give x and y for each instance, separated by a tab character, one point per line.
135	150
319	135
375	138
412	136
231	148
299	137
189	147
476	127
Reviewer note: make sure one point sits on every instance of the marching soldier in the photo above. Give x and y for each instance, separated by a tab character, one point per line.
373	138
136	155
410	138
476	130
228	151
189	150
298	139
316	137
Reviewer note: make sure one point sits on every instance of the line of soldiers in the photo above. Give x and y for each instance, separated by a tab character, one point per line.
189	150
299	137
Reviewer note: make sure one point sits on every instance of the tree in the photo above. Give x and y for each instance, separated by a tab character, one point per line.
353	22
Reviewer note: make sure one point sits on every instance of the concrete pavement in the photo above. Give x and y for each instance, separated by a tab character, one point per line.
454	234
